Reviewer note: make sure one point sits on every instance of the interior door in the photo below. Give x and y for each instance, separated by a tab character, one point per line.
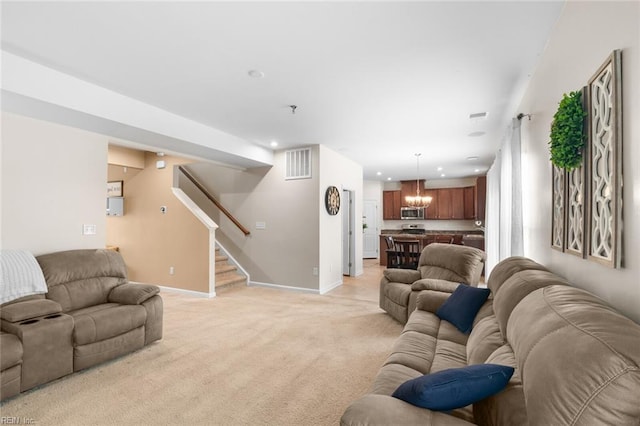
370	238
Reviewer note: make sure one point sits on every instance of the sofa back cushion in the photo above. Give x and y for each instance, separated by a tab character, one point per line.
81	278
517	288
485	338
579	359
451	262
509	267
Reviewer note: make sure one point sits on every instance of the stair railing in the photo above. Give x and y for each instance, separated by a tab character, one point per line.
213	199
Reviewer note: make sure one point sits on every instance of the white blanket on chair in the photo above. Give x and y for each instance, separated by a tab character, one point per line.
20	275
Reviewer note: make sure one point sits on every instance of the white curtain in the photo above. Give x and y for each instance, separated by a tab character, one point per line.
503	223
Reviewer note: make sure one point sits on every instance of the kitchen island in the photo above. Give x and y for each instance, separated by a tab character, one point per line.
473	238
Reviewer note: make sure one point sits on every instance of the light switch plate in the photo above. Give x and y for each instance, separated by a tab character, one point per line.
261	225
89	230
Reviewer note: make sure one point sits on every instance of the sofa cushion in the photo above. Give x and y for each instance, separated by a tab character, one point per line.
398	293
461	307
508	406
80	278
456	387
104	321
516	288
509	267
580	364
483	340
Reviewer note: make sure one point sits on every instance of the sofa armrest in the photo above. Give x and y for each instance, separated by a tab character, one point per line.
435	284
406	276
21	311
133	294
431	300
381	410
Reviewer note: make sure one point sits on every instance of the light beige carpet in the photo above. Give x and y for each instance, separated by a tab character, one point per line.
251	356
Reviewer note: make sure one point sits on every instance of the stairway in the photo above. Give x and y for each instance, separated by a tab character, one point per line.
227	275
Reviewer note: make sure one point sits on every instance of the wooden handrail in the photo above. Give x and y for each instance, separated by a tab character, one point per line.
211	198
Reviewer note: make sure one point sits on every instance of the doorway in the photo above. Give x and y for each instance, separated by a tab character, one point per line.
370	238
348	234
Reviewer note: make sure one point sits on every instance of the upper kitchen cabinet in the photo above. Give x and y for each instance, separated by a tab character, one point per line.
450	203
431	212
470	202
391	203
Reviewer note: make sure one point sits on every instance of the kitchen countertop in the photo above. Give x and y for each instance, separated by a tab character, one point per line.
477	233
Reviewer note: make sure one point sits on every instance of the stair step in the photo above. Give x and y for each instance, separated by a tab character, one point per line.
224	268
229	281
221	258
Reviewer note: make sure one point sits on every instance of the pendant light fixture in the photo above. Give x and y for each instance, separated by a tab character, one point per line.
418	201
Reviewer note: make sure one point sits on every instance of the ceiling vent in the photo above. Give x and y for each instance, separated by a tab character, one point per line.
298	164
476	116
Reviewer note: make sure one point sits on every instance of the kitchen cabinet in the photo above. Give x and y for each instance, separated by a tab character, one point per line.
450	203
431	212
408	188
469	202
391	203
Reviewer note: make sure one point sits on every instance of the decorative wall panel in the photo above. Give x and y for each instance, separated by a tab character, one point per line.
577	198
605	181
558	208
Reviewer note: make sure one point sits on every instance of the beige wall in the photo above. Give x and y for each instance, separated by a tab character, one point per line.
152	242
586	33
53	182
286	251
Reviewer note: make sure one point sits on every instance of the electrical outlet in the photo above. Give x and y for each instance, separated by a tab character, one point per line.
171	270
315	271
89	229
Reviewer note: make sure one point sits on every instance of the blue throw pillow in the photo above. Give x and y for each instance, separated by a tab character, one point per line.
461	308
456	387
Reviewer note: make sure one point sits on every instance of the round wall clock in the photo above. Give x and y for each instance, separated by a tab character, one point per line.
332	200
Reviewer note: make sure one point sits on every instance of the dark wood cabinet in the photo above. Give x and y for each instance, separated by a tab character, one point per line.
470	202
457	203
444	204
408	188
391	203
431	212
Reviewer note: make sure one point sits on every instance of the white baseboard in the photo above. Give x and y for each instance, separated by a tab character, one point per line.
331	287
188	292
283	287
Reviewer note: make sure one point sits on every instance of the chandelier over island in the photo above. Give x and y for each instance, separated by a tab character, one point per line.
417	200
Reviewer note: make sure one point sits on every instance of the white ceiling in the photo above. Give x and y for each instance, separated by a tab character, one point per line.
376	81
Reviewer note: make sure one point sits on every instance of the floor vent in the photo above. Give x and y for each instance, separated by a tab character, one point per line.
298	164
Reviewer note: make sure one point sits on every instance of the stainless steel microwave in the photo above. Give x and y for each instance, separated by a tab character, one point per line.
414	213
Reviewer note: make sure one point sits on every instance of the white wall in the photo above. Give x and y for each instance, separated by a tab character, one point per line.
53	181
586	33
338	171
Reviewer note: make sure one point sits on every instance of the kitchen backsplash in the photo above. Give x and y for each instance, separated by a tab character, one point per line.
435	225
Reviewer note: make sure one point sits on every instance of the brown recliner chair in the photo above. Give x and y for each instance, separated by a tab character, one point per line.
441	267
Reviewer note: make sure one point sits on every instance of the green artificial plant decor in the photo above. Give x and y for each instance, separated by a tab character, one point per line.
567	132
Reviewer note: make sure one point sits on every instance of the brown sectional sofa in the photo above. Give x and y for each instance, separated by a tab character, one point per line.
90	314
441	267
576	360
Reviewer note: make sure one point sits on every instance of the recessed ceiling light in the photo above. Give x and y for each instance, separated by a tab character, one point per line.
388	178
442	175
273	144
378	173
256	74
475	134
439	169
477	170
474	158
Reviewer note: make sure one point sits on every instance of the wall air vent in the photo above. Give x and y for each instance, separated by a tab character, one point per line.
298	164
477	116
